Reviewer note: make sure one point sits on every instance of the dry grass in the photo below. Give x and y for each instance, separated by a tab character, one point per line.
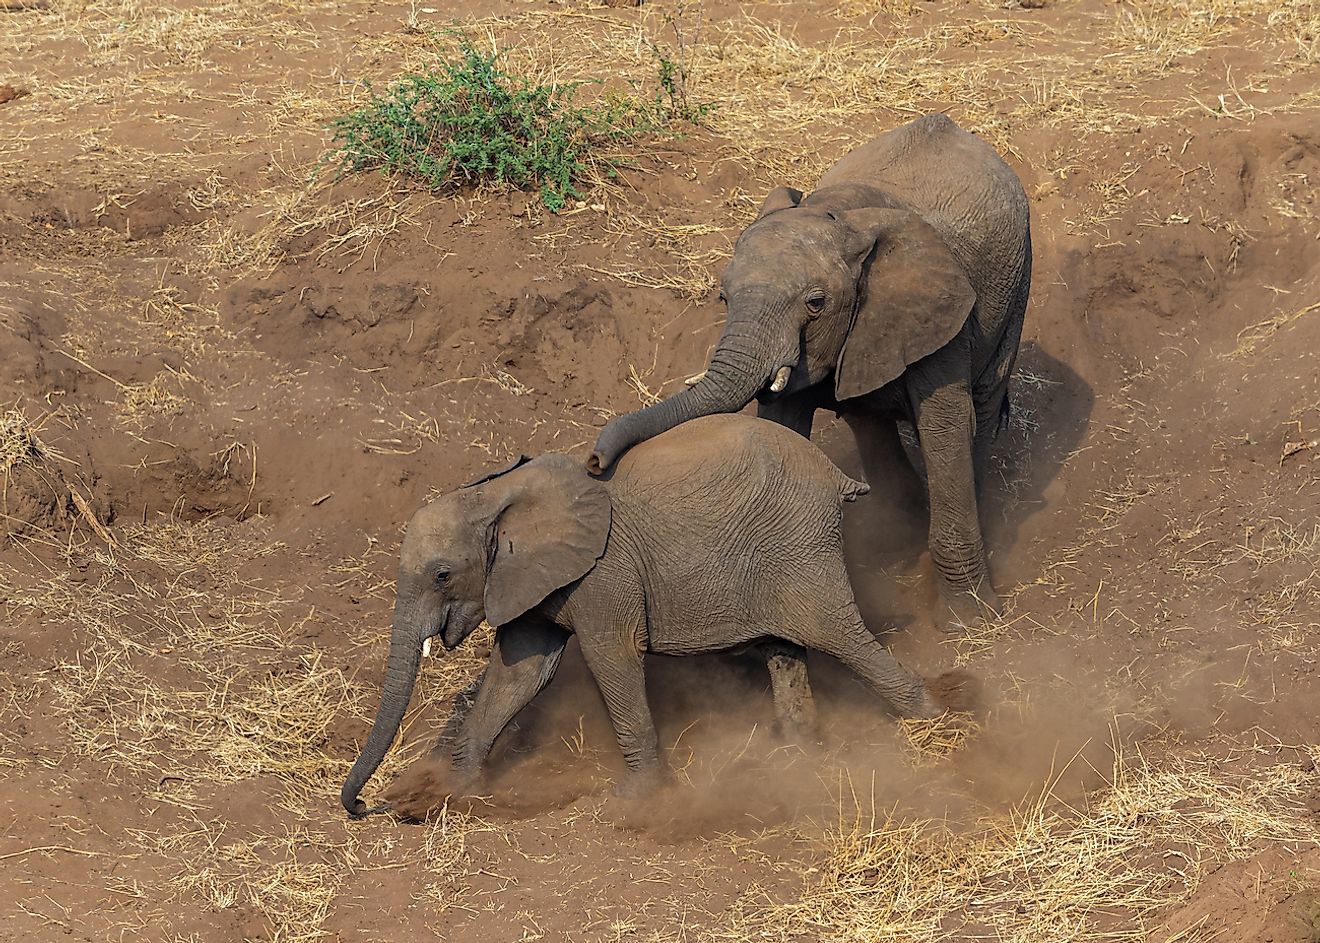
1253	336
190	675
20	440
928	741
1104	870
769	88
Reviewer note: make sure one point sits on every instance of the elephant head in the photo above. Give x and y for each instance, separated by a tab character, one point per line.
491	550
844	284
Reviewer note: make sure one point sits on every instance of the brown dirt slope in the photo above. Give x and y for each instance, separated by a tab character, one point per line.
226	380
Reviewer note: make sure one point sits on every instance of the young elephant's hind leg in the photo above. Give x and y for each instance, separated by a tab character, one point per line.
795	709
522	661
850	641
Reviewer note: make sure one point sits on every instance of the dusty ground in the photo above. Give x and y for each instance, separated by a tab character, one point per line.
226	381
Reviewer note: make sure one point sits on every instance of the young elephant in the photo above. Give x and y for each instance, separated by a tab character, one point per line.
718	534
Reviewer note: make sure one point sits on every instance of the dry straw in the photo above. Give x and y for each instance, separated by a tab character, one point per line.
1106	870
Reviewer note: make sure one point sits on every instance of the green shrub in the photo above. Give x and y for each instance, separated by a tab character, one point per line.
469	121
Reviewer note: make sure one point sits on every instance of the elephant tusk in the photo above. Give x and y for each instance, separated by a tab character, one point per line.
781	379
426	648
694	380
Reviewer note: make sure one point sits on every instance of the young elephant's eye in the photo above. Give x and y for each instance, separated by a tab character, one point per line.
440	577
815	301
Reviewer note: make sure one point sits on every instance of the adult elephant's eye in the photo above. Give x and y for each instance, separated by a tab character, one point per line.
815	301
440	577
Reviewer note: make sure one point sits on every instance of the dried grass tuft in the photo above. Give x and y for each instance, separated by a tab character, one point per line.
1104	870
20	441
1251	337
929	741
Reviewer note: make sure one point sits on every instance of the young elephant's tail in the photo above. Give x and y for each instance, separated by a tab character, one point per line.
850	489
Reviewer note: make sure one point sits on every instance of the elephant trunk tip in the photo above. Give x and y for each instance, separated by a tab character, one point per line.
596	464
358	810
354	806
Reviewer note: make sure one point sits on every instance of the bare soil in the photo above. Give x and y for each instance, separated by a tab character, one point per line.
227	379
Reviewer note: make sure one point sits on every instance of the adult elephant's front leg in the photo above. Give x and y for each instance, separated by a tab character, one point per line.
522	661
946	424
794	410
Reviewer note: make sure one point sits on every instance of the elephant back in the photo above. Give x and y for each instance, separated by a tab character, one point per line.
732	454
958	184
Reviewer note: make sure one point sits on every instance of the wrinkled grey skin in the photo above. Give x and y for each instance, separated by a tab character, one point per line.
711	537
896	290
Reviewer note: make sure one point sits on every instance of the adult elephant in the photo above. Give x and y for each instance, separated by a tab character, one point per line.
896	290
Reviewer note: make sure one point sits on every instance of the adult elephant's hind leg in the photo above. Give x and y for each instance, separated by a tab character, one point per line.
522	661
795	708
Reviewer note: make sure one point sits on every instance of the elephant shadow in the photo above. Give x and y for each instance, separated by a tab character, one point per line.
885	543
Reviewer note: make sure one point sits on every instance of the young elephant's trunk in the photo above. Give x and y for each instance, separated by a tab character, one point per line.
400	676
745	361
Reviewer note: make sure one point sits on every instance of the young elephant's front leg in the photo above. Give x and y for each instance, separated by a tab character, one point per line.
522	661
617	668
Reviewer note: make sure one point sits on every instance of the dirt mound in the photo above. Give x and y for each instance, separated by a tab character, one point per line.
1268	898
35	494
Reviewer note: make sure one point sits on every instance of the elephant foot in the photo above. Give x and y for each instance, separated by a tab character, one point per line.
956	690
959	611
640	783
799	728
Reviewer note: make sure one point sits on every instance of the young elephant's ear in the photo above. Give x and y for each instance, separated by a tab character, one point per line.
518	462
780	198
551	531
913	297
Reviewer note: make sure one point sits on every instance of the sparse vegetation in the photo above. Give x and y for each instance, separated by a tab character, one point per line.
470	122
901	880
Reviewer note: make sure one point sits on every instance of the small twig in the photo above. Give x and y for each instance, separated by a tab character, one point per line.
88	515
105	376
323	498
72	851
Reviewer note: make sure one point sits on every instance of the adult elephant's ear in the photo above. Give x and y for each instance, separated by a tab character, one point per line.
551	530
780	198
913	297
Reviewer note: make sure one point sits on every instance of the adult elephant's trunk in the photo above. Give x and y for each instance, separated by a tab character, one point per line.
400	676
747	359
